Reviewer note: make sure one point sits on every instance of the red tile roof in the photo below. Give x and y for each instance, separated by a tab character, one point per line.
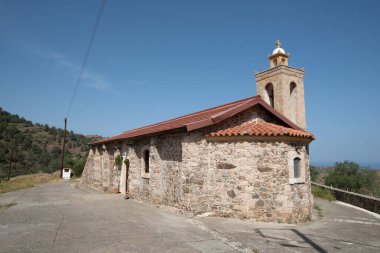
261	128
200	119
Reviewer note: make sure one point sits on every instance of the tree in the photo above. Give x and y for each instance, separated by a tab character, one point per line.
346	175
53	131
372	183
68	162
347	168
44	158
2	153
27	143
9	132
314	173
78	167
55	165
18	137
56	152
3	125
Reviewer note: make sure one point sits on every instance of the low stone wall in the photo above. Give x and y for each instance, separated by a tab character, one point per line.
367	202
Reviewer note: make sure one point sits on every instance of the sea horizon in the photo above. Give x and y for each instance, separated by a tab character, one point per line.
369	165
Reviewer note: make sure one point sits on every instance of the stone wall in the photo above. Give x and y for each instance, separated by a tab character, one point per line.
367	202
281	77
246	179
100	171
163	184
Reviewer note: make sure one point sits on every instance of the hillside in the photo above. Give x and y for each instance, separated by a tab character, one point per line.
37	147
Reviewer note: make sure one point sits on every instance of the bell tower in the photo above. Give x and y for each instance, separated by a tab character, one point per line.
282	87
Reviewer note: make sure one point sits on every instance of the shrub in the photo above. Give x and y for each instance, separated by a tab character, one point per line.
118	161
322	193
347	176
79	167
314	173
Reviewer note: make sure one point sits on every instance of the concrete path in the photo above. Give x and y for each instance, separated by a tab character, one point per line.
63	218
341	229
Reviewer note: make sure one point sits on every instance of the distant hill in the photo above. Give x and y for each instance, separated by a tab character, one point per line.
37	147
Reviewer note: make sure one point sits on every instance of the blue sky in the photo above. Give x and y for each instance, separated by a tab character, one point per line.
154	60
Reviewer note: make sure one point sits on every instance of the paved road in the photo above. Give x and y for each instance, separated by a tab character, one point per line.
342	229
64	218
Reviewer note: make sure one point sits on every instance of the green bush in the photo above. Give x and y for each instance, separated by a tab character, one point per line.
126	162
322	193
314	173
118	161
79	167
347	176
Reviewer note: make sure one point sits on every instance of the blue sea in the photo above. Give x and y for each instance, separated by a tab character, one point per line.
372	166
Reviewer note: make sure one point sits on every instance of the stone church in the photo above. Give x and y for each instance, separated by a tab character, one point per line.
247	159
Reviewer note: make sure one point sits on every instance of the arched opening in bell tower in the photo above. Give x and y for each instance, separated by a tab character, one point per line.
293	102
269	95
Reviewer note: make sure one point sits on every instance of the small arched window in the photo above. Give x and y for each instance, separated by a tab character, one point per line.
297	167
274	63
146	161
293	102
269	94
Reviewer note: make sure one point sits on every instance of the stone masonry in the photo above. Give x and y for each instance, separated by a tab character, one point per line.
281	77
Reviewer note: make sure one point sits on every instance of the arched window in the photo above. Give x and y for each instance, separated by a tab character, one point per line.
274	63
146	161
269	95
297	167
293	102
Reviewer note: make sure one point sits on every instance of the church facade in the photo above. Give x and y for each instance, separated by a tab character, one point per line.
246	159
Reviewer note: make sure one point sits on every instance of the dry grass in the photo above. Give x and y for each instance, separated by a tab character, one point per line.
27	181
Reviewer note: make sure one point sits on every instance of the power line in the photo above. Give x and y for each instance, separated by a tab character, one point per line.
93	34
92	38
